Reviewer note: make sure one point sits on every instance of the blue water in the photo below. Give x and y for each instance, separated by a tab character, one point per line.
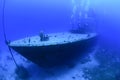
25	18
30	17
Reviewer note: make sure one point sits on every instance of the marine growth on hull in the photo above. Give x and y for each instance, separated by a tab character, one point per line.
54	39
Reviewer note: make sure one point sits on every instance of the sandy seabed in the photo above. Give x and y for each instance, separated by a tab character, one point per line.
100	64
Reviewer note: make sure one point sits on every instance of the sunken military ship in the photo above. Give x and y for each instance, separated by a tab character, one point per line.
53	49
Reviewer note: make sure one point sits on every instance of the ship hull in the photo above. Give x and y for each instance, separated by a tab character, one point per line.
53	55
